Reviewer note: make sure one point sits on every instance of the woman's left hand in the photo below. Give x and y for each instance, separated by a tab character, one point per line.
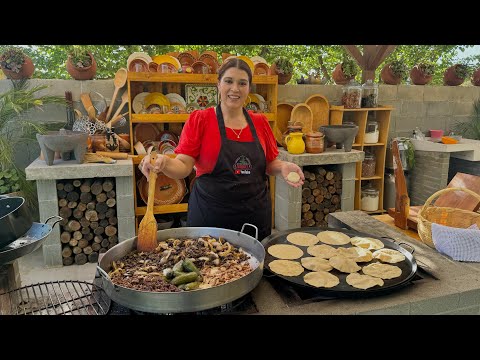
287	168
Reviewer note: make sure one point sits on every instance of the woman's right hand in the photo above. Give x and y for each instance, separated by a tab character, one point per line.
160	164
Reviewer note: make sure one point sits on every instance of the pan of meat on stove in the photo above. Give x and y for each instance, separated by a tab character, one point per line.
408	266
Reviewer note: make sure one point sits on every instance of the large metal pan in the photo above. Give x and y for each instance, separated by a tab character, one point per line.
185	301
408	266
15	219
29	242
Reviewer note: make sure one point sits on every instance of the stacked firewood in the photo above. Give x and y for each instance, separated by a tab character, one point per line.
89	225
321	195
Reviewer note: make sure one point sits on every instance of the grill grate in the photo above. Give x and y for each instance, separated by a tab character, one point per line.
56	298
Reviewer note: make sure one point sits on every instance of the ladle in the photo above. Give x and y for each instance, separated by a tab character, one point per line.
119	81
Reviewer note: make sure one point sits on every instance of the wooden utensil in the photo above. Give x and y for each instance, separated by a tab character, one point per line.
88	105
116	155
402	201
119	81
116	119
147	230
124	101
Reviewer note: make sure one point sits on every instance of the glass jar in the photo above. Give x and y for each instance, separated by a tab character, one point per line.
369	165
370	197
314	142
371	132
352	95
369	94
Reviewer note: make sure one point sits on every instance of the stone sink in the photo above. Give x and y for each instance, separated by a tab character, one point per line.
63	141
341	135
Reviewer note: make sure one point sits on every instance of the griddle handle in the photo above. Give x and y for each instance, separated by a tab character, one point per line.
103	273
412	249
58	219
256	229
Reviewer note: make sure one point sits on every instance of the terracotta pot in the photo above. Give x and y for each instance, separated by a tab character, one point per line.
339	77
26	71
87	73
388	77
418	77
476	77
282	78
450	78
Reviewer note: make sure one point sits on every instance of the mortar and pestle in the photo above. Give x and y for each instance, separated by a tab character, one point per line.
341	135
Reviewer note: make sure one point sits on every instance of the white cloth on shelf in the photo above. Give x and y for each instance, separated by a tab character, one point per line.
460	244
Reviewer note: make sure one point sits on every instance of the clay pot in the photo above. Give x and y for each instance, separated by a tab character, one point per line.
450	78
26	71
476	77
282	78
388	77
339	77
87	73
418	77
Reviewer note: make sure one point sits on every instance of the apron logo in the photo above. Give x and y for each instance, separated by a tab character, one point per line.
242	166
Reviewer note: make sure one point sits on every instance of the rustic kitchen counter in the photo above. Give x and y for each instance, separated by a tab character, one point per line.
450	287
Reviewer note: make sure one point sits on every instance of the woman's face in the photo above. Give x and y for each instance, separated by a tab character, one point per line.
234	88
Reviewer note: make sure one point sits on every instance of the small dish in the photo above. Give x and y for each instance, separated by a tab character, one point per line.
261	69
138	65
199	67
186	58
166	68
139	55
138	102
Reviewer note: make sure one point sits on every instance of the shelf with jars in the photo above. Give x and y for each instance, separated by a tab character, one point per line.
372	138
169	122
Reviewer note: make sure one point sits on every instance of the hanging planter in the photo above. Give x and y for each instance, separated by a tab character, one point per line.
476	77
344	72
455	75
81	66
421	74
16	64
393	73
283	68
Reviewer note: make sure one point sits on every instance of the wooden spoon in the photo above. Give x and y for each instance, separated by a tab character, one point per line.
119	81
147	230
124	101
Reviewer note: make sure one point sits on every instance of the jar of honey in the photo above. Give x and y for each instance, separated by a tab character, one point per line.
314	142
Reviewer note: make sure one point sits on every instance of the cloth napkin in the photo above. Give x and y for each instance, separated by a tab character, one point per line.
459	244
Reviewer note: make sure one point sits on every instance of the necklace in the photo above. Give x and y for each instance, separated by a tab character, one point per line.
238	135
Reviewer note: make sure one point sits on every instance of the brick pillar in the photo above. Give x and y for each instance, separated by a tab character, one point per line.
429	175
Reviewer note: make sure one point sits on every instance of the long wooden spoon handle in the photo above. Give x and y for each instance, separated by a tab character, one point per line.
110	108
120	108
152	179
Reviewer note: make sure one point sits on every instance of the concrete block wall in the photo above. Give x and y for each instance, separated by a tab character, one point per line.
429	176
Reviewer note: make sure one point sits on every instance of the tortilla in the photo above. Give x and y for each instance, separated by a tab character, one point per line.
367	243
286	267
382	271
321	279
316	264
344	264
333	237
355	253
293	177
285	251
363	281
323	251
389	256
302	238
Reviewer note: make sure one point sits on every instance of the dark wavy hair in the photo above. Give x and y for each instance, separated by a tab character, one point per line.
235	63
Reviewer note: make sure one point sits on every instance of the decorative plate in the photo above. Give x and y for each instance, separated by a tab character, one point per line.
167	190
138	55
261	69
211	61
258	59
248	61
159	59
156	98
202	95
192	107
145	131
200	67
186	58
138	102
138	65
166	68
174	97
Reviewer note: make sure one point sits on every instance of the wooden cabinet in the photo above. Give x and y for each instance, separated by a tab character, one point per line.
381	114
266	86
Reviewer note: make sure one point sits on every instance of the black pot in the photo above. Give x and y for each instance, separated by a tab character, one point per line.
15	219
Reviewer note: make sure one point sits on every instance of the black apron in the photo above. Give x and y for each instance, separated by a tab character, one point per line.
236	191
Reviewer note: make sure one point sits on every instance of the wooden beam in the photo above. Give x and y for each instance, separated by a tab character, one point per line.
369	52
356	54
382	53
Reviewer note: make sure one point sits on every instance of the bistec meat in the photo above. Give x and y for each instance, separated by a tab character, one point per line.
181	264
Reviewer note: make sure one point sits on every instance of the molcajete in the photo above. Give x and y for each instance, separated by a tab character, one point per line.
63	141
341	135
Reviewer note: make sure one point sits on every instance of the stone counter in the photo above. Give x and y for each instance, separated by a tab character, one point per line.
452	287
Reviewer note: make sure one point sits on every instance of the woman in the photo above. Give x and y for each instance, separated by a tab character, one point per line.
233	151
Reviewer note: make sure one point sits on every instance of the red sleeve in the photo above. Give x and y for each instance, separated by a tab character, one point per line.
192	133
265	133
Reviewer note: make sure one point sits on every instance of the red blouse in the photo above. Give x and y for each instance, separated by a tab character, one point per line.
200	138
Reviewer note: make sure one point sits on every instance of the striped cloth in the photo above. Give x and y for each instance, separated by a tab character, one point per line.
459	244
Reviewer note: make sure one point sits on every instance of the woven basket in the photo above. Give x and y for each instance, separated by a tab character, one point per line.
447	216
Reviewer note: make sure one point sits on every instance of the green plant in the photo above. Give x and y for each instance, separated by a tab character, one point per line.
80	57
283	65
349	67
461	70
399	69
427	68
9	181
17	128
12	58
470	129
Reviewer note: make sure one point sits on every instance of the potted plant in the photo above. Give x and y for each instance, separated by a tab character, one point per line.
394	72
282	67
17	130
345	71
16	64
455	75
421	73
476	77
81	64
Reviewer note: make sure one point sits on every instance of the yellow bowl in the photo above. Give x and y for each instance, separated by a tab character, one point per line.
156	98
167	59
248	61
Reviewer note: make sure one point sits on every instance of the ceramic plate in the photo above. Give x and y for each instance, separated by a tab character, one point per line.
138	65
261	69
167	59
145	131
139	55
174	97
156	98
248	61
258	59
192	107
138	102
211	61
202	95
186	58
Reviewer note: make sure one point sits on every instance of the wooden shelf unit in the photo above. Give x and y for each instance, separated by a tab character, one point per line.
360	117
267	86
